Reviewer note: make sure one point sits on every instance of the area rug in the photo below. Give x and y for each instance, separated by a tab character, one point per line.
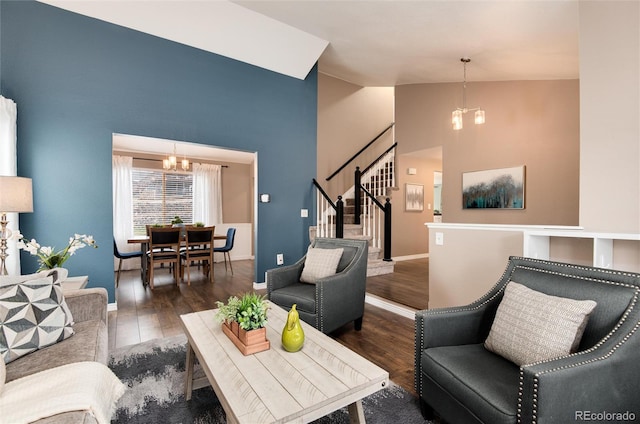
154	373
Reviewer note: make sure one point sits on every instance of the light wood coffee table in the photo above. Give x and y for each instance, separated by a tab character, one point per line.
276	385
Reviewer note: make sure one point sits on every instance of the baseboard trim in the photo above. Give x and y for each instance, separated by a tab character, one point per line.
410	257
259	286
112	307
390	306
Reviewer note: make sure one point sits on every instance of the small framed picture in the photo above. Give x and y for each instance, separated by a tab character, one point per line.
414	197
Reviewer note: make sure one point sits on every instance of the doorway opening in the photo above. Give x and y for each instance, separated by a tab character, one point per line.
237	190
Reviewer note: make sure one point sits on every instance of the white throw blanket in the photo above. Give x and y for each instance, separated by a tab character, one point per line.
81	386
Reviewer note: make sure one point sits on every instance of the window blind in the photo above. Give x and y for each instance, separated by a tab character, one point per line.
159	196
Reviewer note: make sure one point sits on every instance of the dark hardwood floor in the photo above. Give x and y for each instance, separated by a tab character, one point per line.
386	339
408	285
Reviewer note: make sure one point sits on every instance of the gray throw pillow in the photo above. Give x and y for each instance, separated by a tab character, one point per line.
33	315
320	263
531	326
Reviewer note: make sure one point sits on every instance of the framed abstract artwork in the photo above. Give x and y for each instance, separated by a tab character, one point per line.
494	189
414	197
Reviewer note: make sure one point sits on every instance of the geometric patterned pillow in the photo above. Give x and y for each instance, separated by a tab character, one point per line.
33	315
531	326
3	375
320	263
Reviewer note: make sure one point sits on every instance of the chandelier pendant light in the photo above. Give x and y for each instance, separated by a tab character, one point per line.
456	115
171	162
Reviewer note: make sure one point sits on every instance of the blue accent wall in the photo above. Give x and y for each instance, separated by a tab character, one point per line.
76	80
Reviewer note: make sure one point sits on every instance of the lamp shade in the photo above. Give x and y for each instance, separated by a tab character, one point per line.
16	194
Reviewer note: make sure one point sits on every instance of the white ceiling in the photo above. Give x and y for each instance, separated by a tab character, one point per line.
369	43
134	144
365	42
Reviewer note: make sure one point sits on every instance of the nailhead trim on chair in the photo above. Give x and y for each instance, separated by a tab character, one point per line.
624	317
444	311
319	317
534	411
418	387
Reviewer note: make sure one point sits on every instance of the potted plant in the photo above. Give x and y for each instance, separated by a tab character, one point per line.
252	318
177	222
249	315
227	313
199	224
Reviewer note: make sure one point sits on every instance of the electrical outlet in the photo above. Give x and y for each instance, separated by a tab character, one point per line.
304	213
280	259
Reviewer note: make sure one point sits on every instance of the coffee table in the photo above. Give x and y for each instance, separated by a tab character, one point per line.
276	385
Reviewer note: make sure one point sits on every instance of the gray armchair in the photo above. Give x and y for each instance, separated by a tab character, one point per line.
463	382
332	301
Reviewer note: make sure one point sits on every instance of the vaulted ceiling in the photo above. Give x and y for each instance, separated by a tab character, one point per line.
369	43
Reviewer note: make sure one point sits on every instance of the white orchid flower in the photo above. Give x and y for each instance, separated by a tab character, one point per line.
72	249
47	256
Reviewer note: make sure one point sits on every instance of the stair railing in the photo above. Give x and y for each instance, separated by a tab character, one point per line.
329	215
379	175
344	165
370	184
373	213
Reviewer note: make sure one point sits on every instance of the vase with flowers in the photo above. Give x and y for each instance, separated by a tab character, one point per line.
49	257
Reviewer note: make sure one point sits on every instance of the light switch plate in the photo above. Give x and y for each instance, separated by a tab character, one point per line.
440	239
304	213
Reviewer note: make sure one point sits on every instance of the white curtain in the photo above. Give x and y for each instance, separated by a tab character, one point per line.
123	208
9	167
207	193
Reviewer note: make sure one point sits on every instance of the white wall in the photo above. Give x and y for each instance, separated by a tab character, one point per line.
467	264
610	116
242	242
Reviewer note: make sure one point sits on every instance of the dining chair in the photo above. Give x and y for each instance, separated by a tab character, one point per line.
122	256
164	247
148	226
198	248
231	233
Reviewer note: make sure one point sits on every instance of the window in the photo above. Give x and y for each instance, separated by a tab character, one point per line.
159	196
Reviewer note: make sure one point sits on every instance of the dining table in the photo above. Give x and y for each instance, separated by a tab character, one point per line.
143	240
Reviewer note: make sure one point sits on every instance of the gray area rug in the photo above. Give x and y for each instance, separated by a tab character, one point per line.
154	373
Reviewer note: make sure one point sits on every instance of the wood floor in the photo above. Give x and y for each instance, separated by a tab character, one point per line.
408	285
386	339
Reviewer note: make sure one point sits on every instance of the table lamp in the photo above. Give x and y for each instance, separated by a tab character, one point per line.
16	195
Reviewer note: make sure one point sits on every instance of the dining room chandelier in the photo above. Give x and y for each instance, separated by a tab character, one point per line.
171	162
456	115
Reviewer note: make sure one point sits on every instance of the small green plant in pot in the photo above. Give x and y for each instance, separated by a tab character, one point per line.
244	322
252	311
228	312
252	319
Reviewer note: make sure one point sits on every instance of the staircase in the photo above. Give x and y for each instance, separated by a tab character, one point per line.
378	181
375	265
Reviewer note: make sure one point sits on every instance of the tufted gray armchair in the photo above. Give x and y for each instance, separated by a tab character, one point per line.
332	301
463	382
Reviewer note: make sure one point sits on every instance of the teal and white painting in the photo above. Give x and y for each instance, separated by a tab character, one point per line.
493	189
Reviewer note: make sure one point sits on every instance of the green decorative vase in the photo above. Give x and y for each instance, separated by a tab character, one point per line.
292	333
